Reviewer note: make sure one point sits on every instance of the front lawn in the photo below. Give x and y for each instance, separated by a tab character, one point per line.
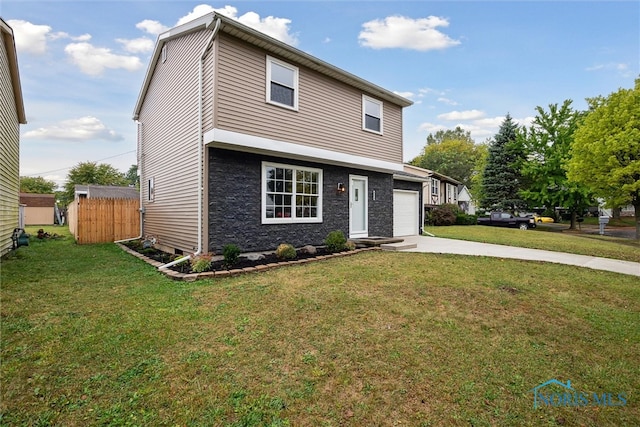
94	336
582	244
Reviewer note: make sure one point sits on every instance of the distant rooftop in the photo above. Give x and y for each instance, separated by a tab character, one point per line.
107	192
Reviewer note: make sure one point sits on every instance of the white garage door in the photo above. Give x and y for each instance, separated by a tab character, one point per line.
405	213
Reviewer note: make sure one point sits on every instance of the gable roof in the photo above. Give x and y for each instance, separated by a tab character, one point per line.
271	45
107	192
6	34
33	200
429	173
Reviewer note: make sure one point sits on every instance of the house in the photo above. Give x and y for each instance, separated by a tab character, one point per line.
465	201
438	189
243	139
12	115
39	209
106	192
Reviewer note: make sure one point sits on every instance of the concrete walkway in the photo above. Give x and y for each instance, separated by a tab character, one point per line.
461	247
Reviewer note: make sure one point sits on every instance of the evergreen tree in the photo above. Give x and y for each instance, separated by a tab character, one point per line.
501	179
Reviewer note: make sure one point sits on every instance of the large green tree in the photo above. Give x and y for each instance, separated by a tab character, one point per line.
85	173
548	145
452	153
132	176
37	185
605	154
501	179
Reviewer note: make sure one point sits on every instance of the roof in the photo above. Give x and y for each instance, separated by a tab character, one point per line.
406	176
6	34
33	200
273	46
429	173
107	192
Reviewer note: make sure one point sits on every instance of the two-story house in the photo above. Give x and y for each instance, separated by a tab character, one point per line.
243	139
11	117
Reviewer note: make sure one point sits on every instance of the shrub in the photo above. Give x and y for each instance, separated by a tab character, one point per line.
335	241
444	214
201	263
231	254
465	219
286	251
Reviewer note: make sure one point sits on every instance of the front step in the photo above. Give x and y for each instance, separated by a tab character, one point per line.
398	246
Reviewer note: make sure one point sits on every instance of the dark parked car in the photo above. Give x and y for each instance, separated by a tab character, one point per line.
505	219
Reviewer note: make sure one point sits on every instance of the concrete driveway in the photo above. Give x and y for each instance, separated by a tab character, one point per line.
461	247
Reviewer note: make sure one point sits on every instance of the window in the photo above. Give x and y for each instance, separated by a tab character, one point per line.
163	53
282	84
151	192
291	194
435	186
371	114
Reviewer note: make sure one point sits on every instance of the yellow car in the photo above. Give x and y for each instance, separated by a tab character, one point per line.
539	218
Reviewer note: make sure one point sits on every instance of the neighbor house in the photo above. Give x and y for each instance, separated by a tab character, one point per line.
438	189
39	209
11	117
243	139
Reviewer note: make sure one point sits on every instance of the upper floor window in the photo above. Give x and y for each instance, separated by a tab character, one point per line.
435	186
371	114
282	83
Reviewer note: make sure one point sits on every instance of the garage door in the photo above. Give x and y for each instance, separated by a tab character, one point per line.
405	213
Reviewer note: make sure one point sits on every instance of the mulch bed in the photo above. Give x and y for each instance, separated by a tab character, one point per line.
244	264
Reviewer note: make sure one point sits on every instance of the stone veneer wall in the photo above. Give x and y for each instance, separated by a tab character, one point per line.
235	202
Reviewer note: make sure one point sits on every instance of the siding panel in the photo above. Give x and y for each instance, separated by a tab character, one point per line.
9	154
169	145
329	115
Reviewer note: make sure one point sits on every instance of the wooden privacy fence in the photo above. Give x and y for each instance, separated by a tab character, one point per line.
104	220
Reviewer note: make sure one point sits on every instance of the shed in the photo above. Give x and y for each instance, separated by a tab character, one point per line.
39	209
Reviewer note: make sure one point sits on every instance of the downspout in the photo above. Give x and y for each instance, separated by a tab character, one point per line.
141	209
203	55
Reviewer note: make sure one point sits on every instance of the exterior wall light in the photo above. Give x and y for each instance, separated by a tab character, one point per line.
341	188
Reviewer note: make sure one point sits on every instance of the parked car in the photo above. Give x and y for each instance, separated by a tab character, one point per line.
540	219
505	219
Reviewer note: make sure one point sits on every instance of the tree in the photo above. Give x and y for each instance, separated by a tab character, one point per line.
38	185
452	153
85	173
605	153
501	177
132	176
548	144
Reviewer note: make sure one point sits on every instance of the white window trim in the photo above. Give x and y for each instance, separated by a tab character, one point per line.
375	101
151	190
437	187
296	73
293	219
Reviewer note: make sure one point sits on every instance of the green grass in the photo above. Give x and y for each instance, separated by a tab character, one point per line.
94	336
582	244
625	221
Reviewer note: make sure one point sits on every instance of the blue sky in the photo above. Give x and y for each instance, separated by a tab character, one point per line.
463	63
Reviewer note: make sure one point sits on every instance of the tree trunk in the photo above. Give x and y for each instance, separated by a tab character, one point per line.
574	216
636	208
616	212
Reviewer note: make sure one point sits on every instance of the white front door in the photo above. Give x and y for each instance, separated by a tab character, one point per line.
358	206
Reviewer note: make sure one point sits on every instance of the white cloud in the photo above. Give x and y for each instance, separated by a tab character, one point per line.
151	27
447	101
83	129
431	127
139	45
62	35
408	95
94	60
621	68
278	28
30	38
402	32
462	115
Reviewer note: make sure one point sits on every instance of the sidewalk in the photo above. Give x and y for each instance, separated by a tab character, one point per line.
461	247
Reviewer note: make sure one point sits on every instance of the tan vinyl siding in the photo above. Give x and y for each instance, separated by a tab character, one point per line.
329	114
169	117
9	154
